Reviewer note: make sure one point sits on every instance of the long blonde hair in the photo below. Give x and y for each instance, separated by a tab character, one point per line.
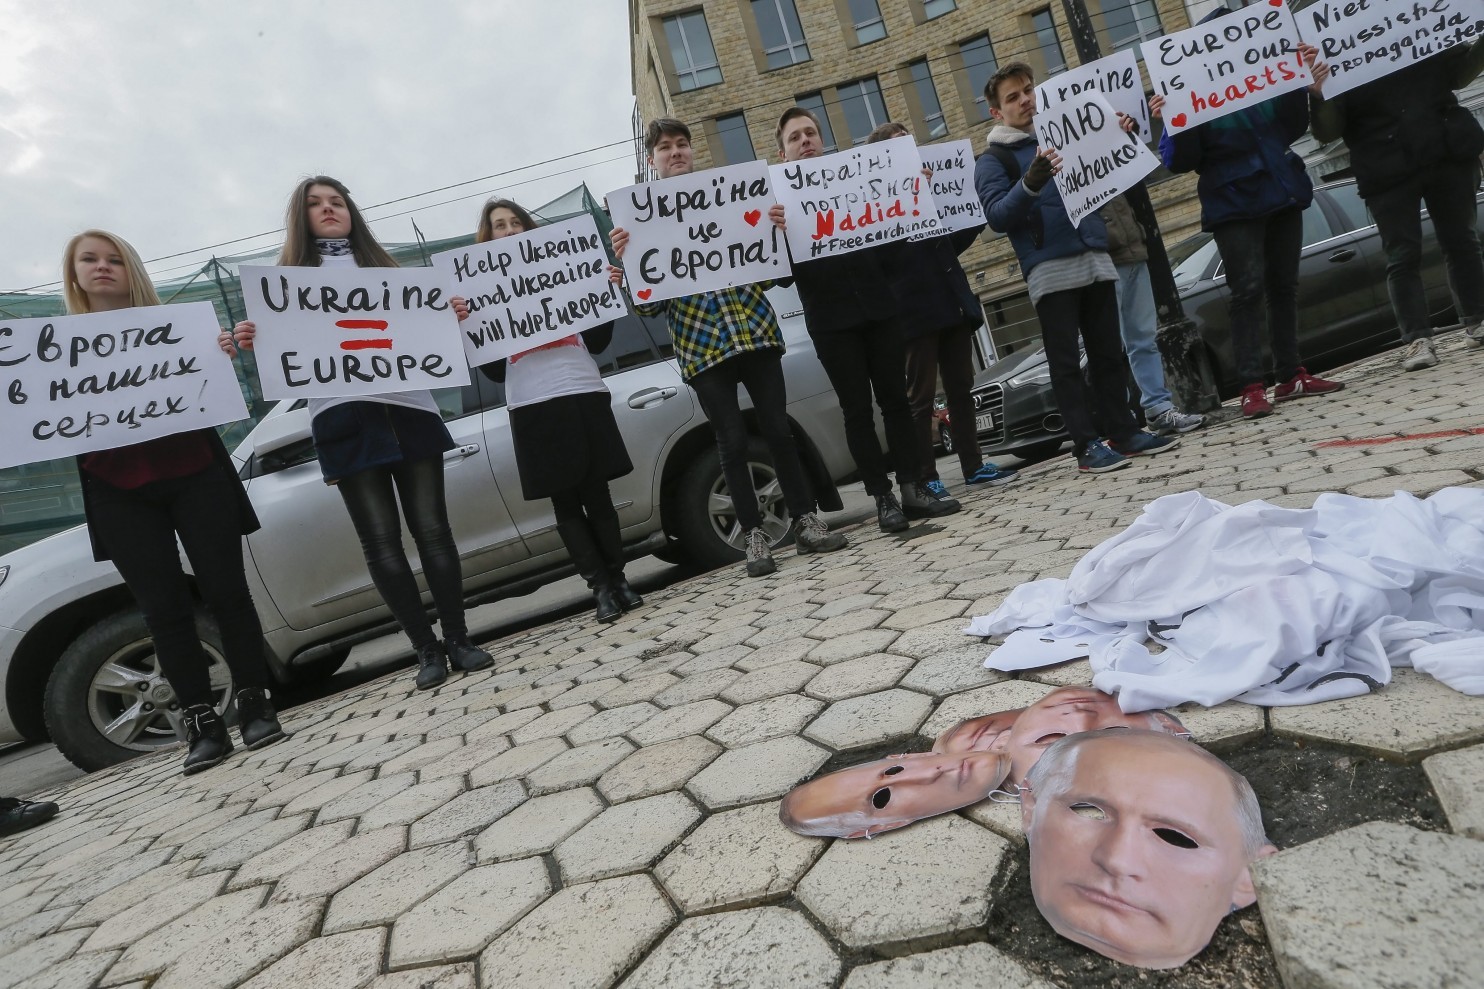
141	289
299	249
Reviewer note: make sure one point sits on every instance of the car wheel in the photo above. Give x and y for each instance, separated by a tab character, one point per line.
945	438
107	700
1040	451
706	522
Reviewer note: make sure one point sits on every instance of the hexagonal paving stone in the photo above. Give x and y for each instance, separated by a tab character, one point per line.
22	932
941	639
578	767
458	763
612	723
77	972
678	722
1458	778
941	675
425	753
625	838
149	913
341	961
774	653
942	873
1224	726
467	813
120	899
696	687
772	718
869	720
1412	716
639	689
1000	816
366	796
615	921
756	772
396	887
762	948
504	724
461	918
23	964
853	646
737	858
770	681
411	804
537	826
553	723
337	868
283	858
244	949
1077	673
460	976
1005	696
854	677
517	762
657	768
969	966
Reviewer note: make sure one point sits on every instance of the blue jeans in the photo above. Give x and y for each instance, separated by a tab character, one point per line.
1137	322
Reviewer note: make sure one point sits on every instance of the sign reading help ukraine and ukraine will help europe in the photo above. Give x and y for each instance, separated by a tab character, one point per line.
1099	159
96	381
699	232
333	332
532	288
1233	61
851	200
1363	40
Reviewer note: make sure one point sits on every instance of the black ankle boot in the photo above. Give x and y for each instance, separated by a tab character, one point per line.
432	666
465	656
609	544
206	734
256	719
628	599
578	539
608	607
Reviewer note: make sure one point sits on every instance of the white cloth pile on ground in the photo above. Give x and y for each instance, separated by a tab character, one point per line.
1202	601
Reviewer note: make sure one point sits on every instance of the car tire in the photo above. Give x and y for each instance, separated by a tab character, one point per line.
1040	451
945	438
96	682
705	524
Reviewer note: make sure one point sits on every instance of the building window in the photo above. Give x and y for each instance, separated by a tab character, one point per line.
979	65
933	124
1127	22
937	8
1049	45
869	25
736	143
863	107
691	51
782	34
814	103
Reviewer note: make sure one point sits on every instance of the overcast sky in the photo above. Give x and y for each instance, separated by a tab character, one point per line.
181	123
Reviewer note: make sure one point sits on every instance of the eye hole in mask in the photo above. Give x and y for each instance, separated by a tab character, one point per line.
881	797
1090	811
1172	837
893	770
1050	737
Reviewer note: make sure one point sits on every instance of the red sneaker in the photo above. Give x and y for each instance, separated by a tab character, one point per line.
1304	384
1255	402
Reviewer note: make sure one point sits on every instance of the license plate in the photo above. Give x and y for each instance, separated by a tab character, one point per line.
984	423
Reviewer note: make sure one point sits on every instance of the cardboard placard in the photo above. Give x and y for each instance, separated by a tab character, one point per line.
1363	40
1117	78
952	164
1099	159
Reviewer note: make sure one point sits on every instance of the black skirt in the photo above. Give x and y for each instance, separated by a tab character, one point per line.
565	443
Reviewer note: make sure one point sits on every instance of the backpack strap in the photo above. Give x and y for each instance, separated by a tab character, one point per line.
1011	164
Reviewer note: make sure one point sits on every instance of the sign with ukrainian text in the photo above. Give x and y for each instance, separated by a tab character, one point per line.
333	332
1117	78
699	232
79	384
1099	159
1363	40
531	288
854	199
1229	62
952	184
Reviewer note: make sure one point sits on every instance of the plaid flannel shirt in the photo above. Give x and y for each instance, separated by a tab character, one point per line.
712	326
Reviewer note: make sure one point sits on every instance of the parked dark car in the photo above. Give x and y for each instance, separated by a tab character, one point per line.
1344	314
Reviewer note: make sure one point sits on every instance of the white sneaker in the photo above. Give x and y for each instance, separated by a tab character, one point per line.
1419	354
1473	334
1172	420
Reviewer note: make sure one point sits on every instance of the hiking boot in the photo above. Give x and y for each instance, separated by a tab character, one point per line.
760	554
1473	334
465	656
889	516
920	502
432	666
18	815
1172	420
1255	404
1096	458
811	535
1142	444
991	474
206	734
1304	384
256	719
1419	354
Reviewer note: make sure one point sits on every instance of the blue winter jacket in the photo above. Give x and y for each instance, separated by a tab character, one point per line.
1011	208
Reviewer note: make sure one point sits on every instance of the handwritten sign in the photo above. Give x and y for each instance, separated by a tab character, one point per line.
1363	40
1233	61
699	232
337	331
532	288
952	165
850	200
1116	77
77	384
1098	158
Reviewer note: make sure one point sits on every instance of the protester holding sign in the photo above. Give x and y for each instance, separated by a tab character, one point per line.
1253	191
382	449
1069	273
567	443
1411	143
727	338
138	499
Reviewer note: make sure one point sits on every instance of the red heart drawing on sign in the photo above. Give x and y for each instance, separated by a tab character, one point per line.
1178	120
1275	3
752	216
644	293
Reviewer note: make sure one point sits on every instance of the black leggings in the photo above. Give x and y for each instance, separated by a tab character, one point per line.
371	497
138	527
591	501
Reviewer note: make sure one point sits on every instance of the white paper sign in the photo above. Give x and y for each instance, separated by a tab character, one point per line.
333	331
1237	60
699	232
1116	77
1364	40
77	384
854	199
531	288
1099	159
952	164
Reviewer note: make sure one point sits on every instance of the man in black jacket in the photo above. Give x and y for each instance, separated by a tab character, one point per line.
1411	143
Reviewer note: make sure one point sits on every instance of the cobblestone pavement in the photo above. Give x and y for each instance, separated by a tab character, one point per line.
601	808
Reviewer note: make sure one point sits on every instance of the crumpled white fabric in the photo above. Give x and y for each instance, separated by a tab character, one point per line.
1202	601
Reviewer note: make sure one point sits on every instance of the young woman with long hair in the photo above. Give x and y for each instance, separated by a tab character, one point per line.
567	443
139	498
380	450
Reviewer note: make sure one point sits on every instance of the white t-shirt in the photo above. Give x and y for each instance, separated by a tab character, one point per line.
563	367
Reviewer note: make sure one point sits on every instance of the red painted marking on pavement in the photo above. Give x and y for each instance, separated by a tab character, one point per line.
361	324
1378	440
366	345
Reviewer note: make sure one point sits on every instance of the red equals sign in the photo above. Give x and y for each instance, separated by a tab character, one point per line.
384	343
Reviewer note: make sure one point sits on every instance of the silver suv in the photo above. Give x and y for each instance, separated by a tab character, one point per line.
77	662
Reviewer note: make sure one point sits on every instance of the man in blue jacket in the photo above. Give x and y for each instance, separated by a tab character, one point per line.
1071	278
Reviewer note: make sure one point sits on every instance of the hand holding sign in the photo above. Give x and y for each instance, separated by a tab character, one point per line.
1085	146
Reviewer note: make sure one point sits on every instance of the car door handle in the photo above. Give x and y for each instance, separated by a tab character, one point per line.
460	452
646	397
1342	255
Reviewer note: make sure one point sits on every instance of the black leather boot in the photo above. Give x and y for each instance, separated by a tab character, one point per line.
18	815
610	549
465	656
206	734
432	666
589	562
256	719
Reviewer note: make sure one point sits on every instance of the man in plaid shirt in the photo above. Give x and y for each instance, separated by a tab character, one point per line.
723	339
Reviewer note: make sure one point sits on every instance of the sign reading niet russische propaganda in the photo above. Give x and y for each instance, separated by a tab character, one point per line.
1364	40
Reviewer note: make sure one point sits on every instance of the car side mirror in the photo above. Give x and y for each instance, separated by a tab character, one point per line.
282	438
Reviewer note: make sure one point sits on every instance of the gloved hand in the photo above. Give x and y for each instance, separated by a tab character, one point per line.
1038	174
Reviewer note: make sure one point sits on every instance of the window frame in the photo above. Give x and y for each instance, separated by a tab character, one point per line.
976	93
816	104
1040	31
720	124
694	70
924	85
865	99
878	21
791	46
